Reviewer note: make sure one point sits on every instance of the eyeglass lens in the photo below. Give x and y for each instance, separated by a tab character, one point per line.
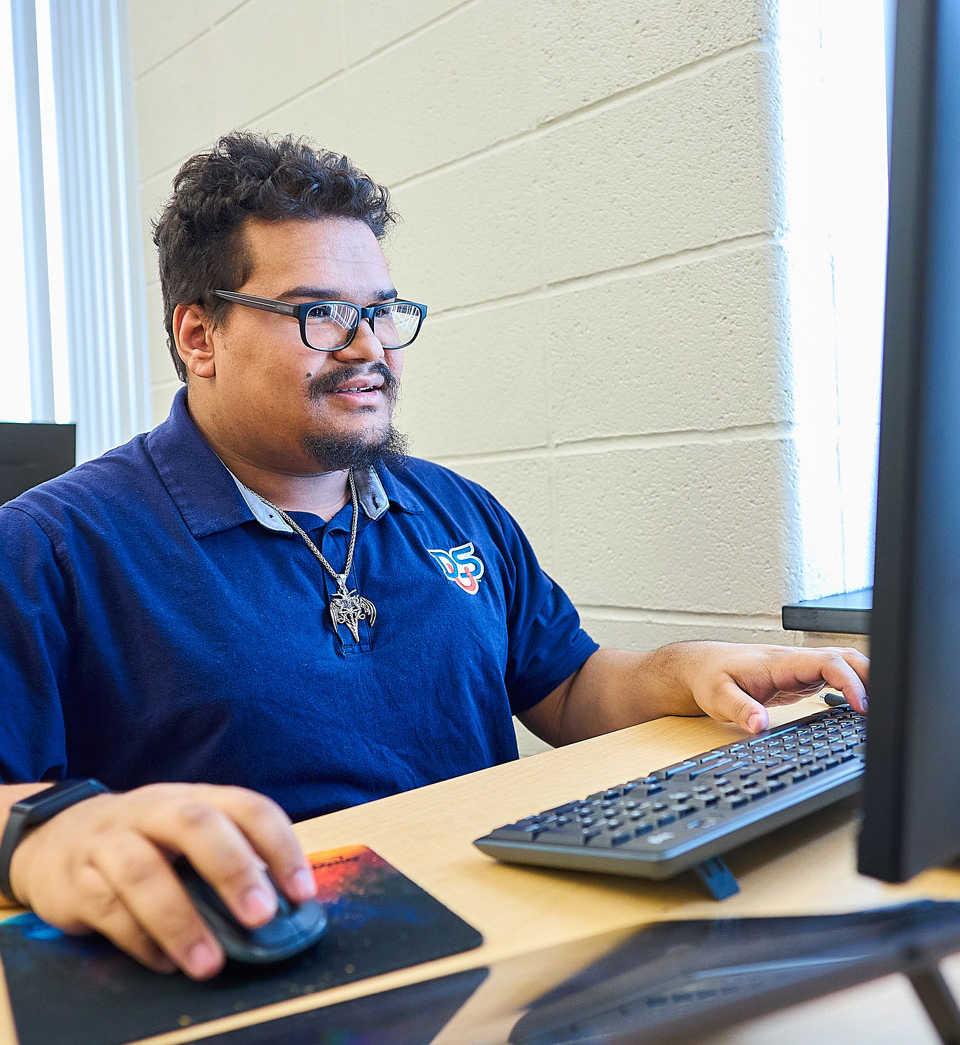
329	325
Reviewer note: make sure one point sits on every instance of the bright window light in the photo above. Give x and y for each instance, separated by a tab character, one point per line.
14	348
833	88
51	191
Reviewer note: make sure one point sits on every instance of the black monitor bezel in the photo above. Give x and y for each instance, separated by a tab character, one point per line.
911	815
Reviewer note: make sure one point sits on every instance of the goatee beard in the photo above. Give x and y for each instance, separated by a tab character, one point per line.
335	453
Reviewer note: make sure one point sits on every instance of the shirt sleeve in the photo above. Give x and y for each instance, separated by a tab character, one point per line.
546	642
35	615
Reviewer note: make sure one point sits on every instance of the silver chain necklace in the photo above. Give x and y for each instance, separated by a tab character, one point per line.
346	607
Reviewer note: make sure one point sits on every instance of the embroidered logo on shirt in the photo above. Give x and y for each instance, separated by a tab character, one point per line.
461	565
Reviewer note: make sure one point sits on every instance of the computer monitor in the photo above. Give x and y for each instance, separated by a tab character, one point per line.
32	453
912	782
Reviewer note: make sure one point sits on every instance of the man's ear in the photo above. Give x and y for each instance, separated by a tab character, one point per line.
192	328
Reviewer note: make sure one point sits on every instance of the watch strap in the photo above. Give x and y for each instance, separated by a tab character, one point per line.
37	809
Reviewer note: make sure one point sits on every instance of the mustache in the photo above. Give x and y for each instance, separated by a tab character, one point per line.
329	381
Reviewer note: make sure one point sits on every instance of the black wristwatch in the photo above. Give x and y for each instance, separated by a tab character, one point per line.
35	809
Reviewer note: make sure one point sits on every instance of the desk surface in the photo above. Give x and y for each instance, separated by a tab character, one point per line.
808	867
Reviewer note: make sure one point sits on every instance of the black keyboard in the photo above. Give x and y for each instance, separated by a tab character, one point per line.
686	815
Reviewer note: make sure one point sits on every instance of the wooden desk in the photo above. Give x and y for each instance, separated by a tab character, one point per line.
808	867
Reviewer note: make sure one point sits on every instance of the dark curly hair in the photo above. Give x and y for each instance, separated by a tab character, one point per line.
199	234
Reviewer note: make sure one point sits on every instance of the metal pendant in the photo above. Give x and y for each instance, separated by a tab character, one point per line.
347	607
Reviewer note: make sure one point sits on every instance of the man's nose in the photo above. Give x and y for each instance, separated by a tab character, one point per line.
365	345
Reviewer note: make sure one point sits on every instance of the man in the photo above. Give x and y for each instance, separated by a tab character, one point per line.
260	610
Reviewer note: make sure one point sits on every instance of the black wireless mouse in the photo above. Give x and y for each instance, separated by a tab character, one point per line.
293	929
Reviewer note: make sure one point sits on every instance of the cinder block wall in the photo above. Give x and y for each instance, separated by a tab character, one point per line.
592	194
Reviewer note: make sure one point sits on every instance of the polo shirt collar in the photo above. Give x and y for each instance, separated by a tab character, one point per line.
370	494
397	492
210	499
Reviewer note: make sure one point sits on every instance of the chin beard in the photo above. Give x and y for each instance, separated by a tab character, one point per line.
334	454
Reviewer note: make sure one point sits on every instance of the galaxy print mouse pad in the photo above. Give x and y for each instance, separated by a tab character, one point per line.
83	991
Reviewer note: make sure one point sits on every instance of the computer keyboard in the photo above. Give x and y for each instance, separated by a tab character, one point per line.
686	815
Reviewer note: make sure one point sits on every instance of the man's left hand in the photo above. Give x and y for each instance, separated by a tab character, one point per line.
738	683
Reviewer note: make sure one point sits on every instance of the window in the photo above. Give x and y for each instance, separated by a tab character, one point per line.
833	87
73	350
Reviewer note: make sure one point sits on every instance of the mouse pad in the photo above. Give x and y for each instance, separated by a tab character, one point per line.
411	1015
80	990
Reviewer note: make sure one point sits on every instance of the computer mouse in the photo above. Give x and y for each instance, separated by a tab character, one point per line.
293	929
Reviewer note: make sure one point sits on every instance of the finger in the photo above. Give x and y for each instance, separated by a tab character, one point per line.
729	703
843	670
111	919
802	668
220	852
270	833
857	660
144	904
122	929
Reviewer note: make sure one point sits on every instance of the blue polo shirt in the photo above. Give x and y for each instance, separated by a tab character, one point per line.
156	625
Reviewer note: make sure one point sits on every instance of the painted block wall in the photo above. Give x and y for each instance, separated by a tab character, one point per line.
592	202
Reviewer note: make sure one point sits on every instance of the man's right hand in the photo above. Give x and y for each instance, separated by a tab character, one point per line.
104	865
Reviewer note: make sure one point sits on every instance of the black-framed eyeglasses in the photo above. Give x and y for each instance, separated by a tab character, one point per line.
331	325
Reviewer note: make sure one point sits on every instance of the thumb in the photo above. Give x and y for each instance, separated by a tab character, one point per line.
729	703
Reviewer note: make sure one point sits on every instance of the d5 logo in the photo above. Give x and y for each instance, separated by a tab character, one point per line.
461	565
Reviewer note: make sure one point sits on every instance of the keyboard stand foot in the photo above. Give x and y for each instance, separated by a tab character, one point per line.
938	1000
717	878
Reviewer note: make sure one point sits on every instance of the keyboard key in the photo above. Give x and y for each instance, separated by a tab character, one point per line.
787	767
678	768
659	838
513	833
734	802
568	834
710	767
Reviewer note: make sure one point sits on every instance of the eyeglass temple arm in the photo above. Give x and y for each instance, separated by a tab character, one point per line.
266	304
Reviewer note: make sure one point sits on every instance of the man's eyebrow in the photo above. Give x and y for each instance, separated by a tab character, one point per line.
329	294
